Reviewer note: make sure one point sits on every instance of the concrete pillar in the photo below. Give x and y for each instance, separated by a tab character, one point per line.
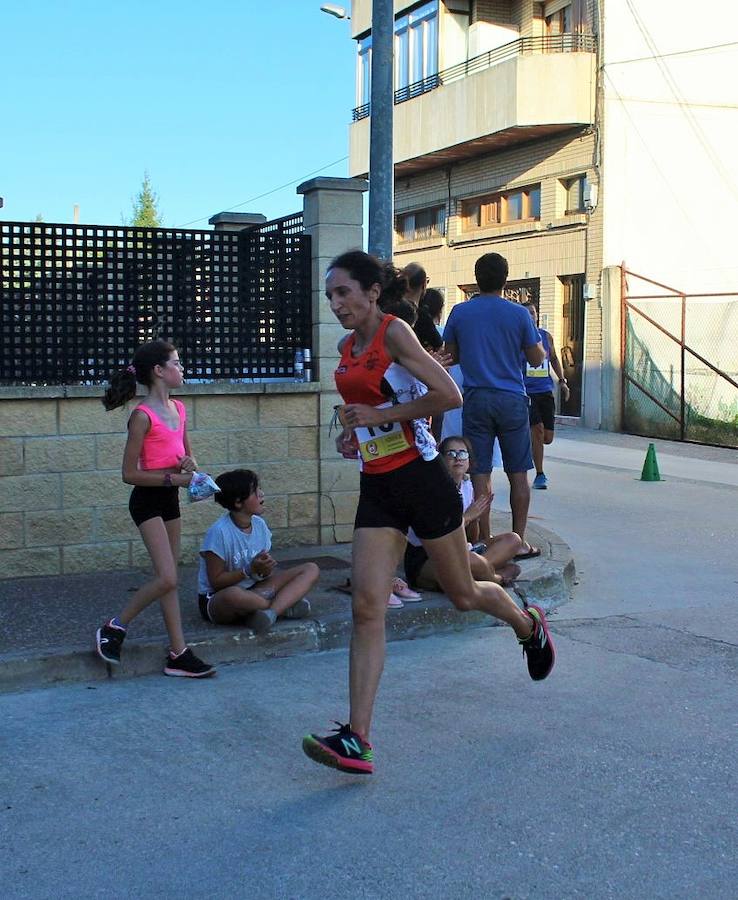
612	372
235	221
333	217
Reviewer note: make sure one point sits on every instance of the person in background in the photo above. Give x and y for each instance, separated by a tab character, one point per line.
239	580
157	461
425	331
539	387
487	336
489	562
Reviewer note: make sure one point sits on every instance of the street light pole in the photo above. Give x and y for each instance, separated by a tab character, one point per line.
381	169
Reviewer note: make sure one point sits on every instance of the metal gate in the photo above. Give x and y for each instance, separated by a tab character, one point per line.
679	362
76	300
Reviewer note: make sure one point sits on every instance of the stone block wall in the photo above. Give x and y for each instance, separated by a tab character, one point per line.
64	506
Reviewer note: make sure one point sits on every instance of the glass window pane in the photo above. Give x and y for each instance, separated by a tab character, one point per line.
514	207
534	203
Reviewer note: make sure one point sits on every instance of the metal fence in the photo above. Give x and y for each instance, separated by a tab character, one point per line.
558	43
76	300
680	363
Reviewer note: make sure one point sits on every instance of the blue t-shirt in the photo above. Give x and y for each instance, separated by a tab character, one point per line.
538	378
490	334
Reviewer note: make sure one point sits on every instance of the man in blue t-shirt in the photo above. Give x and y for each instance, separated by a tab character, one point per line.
486	336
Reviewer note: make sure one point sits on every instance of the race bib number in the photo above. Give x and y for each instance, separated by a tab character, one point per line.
537	371
379	441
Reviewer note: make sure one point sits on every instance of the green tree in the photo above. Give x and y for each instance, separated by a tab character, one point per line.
145	206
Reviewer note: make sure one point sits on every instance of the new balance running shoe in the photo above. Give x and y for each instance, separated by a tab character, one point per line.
187	665
344	749
538	648
108	641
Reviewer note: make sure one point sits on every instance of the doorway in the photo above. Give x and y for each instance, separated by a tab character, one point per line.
572	350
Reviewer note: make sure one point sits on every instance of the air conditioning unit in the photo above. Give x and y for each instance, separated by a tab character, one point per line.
589	291
589	195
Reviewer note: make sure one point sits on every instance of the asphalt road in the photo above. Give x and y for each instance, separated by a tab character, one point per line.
614	778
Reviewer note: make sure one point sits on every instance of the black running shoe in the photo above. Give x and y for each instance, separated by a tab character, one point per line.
187	665
108	641
344	750
538	648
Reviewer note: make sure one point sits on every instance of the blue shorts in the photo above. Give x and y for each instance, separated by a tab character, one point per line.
490	414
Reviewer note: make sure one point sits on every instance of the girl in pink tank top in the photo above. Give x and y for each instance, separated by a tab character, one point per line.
157	461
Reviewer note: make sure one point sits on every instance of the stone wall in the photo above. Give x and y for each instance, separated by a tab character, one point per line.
64	507
63	504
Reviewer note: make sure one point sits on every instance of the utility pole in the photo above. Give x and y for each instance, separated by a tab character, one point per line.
381	167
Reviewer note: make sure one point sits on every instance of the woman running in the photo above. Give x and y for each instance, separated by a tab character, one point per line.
403	484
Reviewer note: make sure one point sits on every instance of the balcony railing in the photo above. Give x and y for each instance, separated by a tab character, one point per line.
560	43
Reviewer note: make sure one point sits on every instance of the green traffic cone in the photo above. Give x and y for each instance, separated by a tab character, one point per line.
650	466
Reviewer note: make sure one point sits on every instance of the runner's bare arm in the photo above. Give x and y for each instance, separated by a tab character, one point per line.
535	354
405	349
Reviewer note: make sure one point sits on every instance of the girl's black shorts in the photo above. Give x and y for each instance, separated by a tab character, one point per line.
420	495
154	502
415	559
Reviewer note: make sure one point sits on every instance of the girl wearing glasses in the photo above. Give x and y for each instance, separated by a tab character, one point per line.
404	484
488	562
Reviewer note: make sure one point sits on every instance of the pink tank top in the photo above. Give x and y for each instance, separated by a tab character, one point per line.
163	447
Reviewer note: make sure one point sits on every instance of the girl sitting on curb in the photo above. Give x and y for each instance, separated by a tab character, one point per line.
490	562
239	581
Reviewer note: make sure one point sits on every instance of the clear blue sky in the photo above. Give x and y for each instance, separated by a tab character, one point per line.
220	102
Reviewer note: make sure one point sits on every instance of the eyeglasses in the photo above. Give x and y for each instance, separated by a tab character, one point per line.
457	454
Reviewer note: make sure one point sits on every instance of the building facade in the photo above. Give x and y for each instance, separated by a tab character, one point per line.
541	131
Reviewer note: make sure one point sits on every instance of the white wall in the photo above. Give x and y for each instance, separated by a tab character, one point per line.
670	163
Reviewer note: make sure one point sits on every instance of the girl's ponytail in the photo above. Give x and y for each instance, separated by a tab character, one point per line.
122	388
394	286
145	359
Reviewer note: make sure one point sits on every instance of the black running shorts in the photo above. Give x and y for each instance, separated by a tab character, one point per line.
420	495
154	502
543	409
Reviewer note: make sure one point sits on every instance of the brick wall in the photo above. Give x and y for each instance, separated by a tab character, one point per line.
64	507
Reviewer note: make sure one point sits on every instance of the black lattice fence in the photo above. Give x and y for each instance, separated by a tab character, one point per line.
78	299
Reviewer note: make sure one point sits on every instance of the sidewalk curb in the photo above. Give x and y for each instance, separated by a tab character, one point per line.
547	582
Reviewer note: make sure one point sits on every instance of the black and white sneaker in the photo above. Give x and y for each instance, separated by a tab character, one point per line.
187	665
108	641
538	648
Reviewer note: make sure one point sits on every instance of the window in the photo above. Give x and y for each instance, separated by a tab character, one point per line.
364	72
421	224
574	189
416	45
559	22
521	205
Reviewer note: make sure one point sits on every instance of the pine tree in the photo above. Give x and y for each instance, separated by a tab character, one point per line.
145	207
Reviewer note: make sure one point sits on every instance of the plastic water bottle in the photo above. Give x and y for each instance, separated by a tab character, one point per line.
307	357
299	365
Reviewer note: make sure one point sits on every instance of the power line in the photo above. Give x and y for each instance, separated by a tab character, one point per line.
622	62
692	121
273	191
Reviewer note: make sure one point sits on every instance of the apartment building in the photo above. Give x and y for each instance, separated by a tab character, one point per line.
556	133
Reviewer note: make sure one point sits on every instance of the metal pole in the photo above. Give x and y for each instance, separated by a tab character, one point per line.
381	169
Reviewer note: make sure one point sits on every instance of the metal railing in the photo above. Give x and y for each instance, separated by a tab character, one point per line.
560	43
669	388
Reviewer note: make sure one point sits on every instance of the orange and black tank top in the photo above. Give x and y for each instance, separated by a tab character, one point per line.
375	379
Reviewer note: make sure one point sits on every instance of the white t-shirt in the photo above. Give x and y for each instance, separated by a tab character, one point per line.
467	498
234	547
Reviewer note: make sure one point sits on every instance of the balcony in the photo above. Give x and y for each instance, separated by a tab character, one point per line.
527	89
